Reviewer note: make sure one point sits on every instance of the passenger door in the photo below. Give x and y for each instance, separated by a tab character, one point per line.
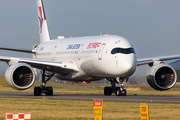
101	51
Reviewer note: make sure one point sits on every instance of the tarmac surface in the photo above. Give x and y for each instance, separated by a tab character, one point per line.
85	97
65	86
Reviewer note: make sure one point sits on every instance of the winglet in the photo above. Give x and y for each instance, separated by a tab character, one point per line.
43	29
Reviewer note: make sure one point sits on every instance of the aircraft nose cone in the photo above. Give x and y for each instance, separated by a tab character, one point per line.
128	66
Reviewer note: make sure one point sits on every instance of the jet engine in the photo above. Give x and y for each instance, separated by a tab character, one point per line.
161	77
20	76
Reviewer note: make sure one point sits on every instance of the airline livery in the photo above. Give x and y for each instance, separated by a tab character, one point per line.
84	59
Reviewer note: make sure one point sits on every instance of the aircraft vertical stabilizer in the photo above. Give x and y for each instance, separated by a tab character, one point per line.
43	29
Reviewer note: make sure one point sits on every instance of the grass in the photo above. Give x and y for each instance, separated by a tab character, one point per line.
5	88
130	90
43	109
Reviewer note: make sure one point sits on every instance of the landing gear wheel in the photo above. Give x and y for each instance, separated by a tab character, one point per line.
49	91
37	91
124	92
107	91
118	91
43	89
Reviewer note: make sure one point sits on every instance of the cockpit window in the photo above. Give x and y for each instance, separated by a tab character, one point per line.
122	50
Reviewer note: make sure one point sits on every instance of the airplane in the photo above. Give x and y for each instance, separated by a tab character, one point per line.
78	59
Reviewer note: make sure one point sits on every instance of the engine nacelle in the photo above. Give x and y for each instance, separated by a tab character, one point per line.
161	77
20	76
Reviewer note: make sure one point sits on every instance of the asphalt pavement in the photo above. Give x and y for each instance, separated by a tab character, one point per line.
91	97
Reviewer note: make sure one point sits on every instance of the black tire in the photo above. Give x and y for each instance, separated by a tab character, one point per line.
37	91
124	92
107	90
118	91
49	91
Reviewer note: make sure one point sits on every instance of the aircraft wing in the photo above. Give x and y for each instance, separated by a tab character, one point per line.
145	61
61	67
18	50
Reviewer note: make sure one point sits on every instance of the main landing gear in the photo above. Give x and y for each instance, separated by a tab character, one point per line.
119	91
47	90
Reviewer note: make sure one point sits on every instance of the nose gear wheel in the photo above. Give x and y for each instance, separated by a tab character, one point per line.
119	91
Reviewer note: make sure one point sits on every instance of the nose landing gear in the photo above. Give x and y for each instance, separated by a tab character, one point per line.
119	91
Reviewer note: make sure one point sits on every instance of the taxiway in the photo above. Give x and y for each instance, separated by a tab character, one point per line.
84	97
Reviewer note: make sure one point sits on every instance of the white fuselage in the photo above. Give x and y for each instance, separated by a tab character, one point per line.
93	56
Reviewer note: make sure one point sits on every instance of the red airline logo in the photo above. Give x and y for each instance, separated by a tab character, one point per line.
40	19
93	45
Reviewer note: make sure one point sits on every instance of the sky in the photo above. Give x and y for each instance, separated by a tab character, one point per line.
153	26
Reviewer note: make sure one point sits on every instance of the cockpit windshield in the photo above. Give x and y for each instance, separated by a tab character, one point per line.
123	50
